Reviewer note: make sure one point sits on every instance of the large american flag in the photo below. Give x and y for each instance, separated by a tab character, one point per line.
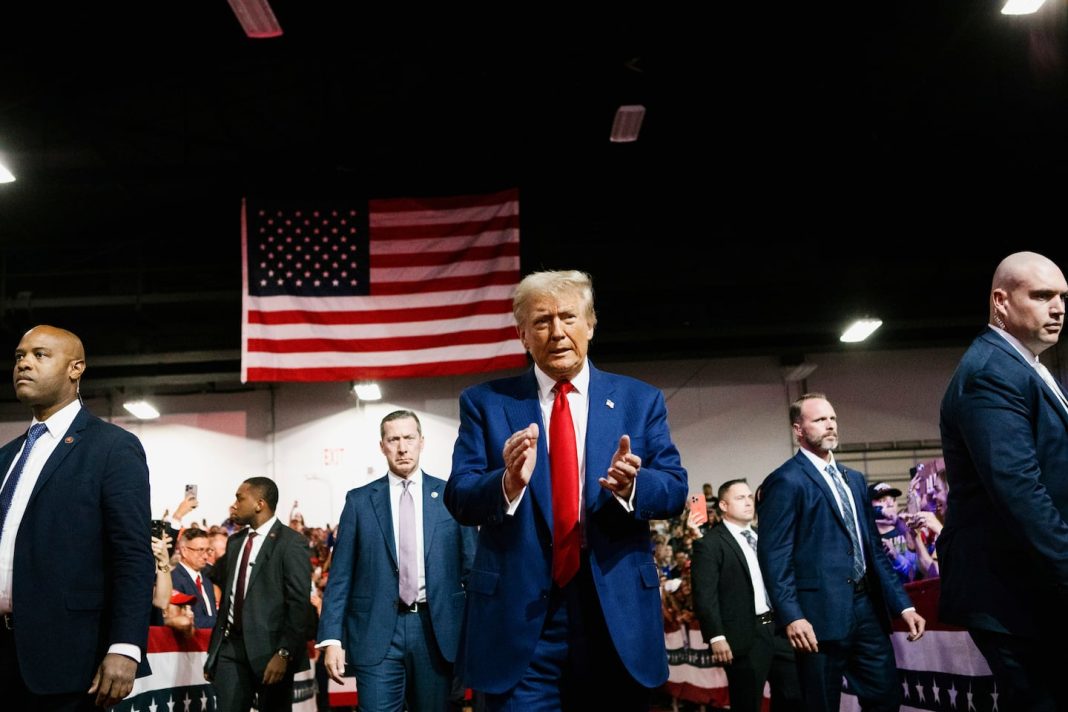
396	288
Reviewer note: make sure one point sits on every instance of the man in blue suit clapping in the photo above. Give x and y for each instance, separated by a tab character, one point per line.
394	602
563	467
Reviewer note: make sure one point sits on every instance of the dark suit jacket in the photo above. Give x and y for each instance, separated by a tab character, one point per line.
806	552
360	603
723	589
508	592
277	603
83	565
204	615
1005	441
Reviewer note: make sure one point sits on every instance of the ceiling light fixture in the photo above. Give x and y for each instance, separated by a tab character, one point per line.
367	391
860	330
6	176
1021	7
141	409
257	18
627	124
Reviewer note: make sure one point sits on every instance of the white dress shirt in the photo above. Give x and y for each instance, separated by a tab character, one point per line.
58	424
257	544
194	574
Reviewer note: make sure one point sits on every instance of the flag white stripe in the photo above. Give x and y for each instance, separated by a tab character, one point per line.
379	331
285	302
178	669
951	652
334	359
456	243
474	213
466	268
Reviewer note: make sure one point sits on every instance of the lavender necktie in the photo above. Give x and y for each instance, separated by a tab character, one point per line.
406	550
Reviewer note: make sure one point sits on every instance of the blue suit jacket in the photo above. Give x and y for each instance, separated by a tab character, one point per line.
1005	441
360	603
83	565
204	615
806	553
509	588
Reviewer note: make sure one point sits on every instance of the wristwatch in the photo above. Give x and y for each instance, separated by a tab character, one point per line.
283	653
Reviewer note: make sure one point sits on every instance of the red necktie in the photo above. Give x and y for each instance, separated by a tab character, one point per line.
564	469
200	586
239	594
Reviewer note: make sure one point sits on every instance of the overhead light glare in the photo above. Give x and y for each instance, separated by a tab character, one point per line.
860	330
627	124
1021	7
6	176
367	391
141	409
799	372
257	18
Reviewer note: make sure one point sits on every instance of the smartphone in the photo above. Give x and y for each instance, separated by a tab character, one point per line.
698	510
158	528
191	490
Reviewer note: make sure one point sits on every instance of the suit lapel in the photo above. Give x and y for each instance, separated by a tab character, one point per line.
66	446
809	469
603	424
998	341
264	554
734	547
432	492
521	412
384	514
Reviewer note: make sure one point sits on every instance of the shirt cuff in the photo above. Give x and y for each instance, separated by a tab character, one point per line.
514	504
717	639
910	608
127	649
327	643
628	504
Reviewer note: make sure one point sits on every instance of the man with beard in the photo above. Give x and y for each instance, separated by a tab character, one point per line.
831	586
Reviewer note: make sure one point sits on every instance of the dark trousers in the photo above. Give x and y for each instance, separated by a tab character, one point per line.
771	659
575	664
14	695
235	682
866	659
413	674
1029	673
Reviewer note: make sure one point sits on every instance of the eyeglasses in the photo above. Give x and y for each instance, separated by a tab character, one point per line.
196	551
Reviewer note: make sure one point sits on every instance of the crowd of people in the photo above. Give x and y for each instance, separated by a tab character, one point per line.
529	575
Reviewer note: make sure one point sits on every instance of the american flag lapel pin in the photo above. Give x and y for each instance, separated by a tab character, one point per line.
609	403
69	439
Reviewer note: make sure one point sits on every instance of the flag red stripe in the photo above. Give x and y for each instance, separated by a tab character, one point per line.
447	284
380	316
392	343
443	229
419	259
453	202
443	368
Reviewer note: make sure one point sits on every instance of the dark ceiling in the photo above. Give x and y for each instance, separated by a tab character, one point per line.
796	167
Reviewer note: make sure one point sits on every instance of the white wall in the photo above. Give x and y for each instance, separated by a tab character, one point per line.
728	418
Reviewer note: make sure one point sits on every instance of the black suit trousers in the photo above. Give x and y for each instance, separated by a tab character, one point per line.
771	659
235	682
